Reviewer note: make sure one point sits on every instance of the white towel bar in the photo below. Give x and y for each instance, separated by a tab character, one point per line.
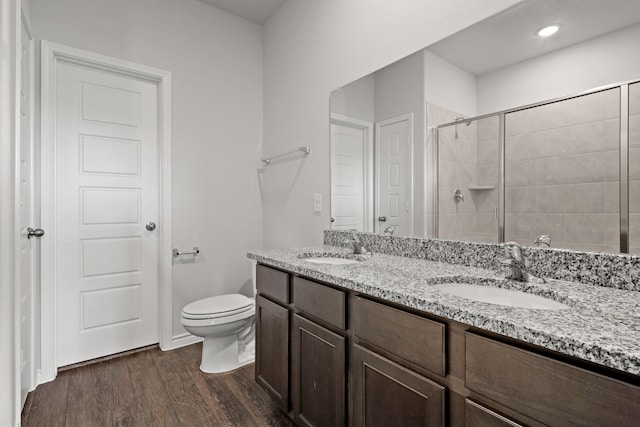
305	149
195	251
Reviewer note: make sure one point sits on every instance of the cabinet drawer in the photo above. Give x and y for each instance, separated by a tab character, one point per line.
272	283
417	341
552	392
477	415
320	301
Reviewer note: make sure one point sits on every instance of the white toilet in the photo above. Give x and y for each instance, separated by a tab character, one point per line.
226	323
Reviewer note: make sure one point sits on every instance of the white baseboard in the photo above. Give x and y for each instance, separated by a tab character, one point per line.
41	378
181	341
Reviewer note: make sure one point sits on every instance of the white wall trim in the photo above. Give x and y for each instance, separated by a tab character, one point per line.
51	53
26	23
9	264
16	214
369	190
182	340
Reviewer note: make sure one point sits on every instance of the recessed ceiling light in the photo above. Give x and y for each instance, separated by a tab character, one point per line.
549	30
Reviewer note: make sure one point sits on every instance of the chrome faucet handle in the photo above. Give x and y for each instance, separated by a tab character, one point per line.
542	240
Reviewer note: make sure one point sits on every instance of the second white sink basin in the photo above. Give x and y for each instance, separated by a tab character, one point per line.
500	296
331	260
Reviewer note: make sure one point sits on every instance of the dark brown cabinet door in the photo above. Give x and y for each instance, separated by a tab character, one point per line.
317	375
386	394
272	349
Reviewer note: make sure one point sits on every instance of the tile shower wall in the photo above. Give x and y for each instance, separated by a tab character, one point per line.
562	173
484	194
468	161
634	168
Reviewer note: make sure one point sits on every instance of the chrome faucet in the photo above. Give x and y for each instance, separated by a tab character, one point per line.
515	262
358	246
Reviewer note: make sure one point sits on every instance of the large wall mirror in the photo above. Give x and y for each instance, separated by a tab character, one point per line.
535	168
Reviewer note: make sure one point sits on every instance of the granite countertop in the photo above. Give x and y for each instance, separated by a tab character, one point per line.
601	325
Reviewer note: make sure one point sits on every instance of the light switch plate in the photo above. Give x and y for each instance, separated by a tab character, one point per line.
317	202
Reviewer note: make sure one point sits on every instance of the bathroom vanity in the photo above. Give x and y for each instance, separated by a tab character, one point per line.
374	343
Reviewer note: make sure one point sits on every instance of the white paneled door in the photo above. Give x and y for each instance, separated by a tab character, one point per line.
107	193
394	139
348	177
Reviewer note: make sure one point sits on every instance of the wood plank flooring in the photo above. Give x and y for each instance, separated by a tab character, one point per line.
152	388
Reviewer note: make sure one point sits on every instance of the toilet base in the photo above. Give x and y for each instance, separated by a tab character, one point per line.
246	357
220	354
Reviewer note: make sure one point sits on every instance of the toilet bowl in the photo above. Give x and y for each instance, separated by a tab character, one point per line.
226	324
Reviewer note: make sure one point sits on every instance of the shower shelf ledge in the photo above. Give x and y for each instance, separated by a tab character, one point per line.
482	187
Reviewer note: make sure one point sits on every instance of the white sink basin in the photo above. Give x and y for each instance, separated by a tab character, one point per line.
500	296
331	260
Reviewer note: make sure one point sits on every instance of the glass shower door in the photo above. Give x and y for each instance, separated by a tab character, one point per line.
468	180
562	173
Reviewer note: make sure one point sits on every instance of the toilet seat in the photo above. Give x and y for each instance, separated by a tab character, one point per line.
217	307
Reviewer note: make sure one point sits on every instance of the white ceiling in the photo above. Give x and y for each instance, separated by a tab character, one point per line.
257	11
510	36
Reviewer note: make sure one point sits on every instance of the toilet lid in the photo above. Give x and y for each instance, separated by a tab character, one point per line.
220	306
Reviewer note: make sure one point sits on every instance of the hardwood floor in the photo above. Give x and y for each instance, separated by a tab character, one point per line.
152	388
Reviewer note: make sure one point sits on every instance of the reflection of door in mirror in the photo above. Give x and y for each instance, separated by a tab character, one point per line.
393	153
351	174
393	100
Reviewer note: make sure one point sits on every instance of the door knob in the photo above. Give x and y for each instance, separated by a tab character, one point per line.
34	232
382	218
150	226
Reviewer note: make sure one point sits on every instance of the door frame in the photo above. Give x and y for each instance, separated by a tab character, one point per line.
369	200
25	22
51	54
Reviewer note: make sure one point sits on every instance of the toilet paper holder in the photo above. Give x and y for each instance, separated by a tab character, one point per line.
195	251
